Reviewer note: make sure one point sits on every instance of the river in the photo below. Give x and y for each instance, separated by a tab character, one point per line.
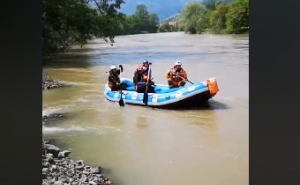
144	146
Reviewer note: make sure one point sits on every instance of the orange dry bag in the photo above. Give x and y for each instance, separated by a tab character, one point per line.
212	86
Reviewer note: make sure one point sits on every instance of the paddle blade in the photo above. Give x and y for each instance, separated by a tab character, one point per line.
121	102
121	67
145	99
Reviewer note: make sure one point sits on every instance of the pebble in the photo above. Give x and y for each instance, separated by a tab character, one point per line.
63	154
59	169
92	183
58	183
96	170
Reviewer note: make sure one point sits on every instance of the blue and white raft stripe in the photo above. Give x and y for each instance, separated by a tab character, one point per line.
155	99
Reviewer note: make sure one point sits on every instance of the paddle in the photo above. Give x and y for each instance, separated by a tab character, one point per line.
145	99
121	101
183	78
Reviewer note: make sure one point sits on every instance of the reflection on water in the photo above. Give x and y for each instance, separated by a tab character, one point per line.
203	144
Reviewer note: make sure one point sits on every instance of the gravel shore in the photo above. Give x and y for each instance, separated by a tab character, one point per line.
59	169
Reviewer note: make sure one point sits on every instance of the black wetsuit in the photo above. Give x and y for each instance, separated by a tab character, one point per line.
137	79
113	77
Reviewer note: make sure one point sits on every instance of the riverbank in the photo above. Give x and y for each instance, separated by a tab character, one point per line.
48	82
59	169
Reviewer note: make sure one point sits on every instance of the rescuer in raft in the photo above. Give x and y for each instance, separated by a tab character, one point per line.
114	80
176	76
141	76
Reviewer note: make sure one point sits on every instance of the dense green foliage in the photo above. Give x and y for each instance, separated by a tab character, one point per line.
66	22
215	16
139	22
193	18
167	28
163	8
165	25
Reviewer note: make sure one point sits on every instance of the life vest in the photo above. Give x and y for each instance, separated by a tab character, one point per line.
144	73
113	79
176	79
140	68
140	85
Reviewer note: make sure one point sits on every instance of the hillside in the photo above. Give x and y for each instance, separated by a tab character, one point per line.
163	8
172	18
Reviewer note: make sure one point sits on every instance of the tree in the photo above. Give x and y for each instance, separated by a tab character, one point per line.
217	16
211	4
217	20
237	19
141	12
153	23
153	19
66	22
164	28
130	25
140	21
142	17
192	18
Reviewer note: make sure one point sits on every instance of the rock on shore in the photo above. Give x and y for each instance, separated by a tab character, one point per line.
45	118
59	169
48	83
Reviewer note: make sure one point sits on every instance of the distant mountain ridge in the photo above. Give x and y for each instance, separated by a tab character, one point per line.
163	8
172	18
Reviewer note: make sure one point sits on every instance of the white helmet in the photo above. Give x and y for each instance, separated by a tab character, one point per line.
178	63
113	67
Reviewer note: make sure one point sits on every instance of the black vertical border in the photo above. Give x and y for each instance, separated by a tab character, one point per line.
21	95
274	92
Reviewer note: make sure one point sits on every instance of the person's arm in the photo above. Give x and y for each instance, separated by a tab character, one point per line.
167	75
117	79
109	78
113	79
135	77
184	75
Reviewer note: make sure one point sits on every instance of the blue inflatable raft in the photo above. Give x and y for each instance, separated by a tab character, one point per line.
163	96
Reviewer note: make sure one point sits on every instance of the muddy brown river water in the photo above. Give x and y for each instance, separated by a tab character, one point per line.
144	146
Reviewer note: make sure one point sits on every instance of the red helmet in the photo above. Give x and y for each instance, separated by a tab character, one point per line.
139	68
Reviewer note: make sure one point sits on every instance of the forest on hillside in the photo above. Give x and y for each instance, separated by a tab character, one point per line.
212	16
163	9
67	22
